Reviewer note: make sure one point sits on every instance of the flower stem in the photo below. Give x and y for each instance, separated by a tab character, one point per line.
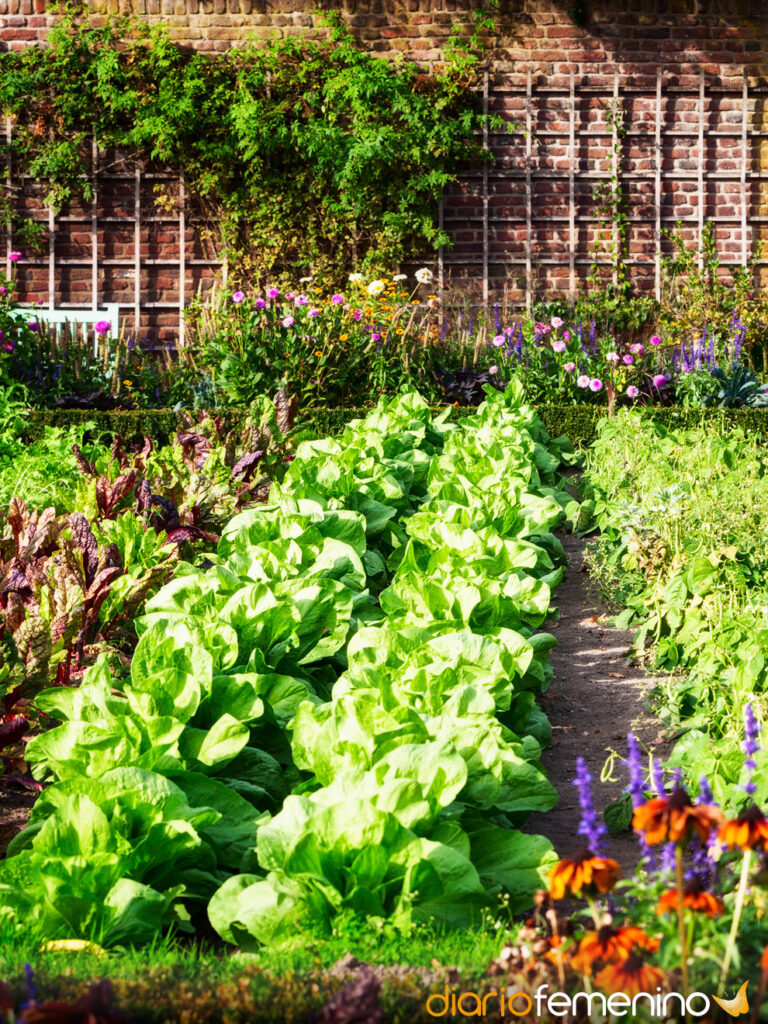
738	907
681	925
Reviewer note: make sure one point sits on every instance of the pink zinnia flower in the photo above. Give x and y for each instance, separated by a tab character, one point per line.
595	384
583	381
569	367
273	293
3	290
313	312
102	327
612	357
498	341
559	346
632	391
259	304
302	300
655	340
15	256
290	296
288	321
32	325
493	369
375	336
356	314
659	380
627	360
337	299
637	349
556	322
238	297
566	335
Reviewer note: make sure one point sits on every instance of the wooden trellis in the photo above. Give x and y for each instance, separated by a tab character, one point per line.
134	215
517	160
545	163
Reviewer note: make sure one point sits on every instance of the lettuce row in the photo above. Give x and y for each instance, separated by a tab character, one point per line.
290	741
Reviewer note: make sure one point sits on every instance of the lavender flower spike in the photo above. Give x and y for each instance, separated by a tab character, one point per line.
658	777
590	826
636	773
750	746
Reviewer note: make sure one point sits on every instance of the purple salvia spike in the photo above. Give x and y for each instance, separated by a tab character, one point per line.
590	826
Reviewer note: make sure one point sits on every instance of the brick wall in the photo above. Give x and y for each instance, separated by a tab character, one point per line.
529	221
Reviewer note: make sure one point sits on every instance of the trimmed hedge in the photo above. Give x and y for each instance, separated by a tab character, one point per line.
578	422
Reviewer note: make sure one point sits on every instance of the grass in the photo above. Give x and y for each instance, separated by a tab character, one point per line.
175	979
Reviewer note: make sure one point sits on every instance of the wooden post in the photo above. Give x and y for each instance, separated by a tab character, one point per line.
657	188
744	168
528	191
182	258
485	189
137	250
572	191
701	166
51	258
9	186
440	251
615	172
94	237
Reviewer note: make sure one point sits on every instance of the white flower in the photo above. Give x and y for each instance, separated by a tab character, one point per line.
424	275
355	278
375	287
304	280
400	277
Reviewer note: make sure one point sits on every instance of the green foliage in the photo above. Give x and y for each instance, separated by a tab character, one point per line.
366	756
302	153
683	533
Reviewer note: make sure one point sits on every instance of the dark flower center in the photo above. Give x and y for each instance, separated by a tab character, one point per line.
581	855
679	800
633	964
752	815
606	933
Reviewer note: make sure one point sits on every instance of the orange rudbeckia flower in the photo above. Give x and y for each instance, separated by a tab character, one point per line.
584	871
674	818
694	897
630	976
748	831
609	945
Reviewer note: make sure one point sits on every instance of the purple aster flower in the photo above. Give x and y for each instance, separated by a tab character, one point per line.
337	299
273	293
590	826
659	380
302	300
313	312
375	336
32	325
259	304
3	290
288	321
750	747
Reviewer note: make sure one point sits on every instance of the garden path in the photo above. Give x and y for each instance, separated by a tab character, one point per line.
596	698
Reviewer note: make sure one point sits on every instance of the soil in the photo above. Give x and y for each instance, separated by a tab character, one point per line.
597	696
15	806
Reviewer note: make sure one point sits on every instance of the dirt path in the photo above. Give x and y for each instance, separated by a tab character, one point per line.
595	699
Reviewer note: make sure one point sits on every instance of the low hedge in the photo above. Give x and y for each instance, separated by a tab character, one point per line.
578	422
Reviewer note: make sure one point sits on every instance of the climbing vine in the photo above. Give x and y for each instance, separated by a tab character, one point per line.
303	153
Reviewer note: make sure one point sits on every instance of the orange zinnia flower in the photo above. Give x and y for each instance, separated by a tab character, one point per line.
609	945
673	818
584	871
748	831
630	976
694	897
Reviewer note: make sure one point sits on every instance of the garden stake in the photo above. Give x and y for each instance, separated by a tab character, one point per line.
680	882
738	907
